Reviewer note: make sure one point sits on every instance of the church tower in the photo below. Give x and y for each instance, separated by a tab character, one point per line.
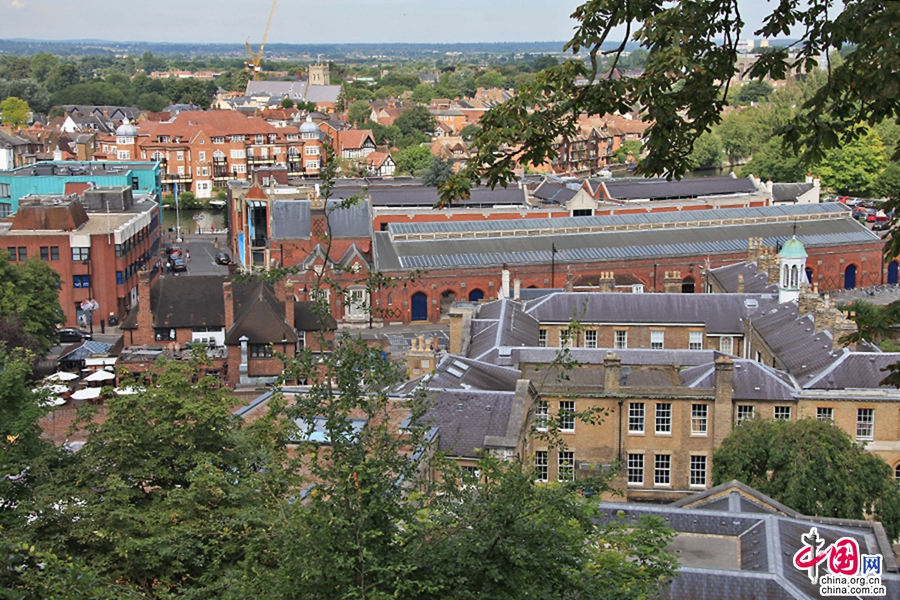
319	75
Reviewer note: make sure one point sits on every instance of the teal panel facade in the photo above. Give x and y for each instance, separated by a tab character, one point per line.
50	178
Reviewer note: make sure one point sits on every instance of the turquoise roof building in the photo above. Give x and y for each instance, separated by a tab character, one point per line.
50	179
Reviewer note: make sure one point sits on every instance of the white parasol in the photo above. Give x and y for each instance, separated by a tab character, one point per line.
61	376
100	376
86	394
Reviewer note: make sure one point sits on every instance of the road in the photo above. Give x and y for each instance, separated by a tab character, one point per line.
203	250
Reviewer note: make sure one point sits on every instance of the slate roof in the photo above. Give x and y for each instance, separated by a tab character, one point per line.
792	338
752	381
85	349
260	318
754	282
766	536
661	189
855	370
292	219
457	372
502	323
464	417
720	313
551	192
427	197
305	319
789	192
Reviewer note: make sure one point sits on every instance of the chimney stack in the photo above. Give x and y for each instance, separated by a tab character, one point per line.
145	316
724	409
753	245
809	298
672	282
824	316
774	268
289	303
843	326
740	284
504	281
228	298
612	372
606	282
517	288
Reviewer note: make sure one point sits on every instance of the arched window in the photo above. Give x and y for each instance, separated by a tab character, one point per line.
687	285
157	156
795	276
476	295
809	275
850	277
448	297
785	277
419	306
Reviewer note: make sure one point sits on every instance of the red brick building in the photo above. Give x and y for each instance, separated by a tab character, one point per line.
96	253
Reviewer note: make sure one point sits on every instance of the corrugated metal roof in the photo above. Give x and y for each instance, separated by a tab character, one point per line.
654	189
686	217
616	245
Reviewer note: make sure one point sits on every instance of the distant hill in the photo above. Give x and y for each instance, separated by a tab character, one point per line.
27	47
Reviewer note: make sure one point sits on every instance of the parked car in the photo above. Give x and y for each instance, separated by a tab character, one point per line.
860	213
881	226
72	335
223	259
179	264
173	252
870	216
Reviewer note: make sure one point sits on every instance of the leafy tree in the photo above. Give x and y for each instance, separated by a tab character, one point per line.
887	184
151	101
416	118
14	111
490	79
544	62
437	172
42	65
359	113
469	132
413	160
91	92
423	94
740	134
522	79
401	82
150	63
873	323
28	90
287	103
754	91
29	292
64	76
811	466
168	487
707	152
854	167
687	74
771	161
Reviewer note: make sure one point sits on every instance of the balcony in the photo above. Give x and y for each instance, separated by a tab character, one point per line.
260	160
220	160
259	242
176	178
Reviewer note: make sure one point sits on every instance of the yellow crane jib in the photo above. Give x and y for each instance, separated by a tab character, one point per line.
256	57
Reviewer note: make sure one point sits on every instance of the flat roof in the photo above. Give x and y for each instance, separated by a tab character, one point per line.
79	169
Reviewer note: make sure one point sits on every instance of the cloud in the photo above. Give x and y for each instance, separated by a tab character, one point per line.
16	4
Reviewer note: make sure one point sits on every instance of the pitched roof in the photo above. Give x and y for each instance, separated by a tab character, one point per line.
464	418
260	318
751	380
789	192
662	189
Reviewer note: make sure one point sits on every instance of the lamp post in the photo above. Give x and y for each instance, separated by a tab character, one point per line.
553	266
90	305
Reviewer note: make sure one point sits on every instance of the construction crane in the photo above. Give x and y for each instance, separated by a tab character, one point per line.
256	58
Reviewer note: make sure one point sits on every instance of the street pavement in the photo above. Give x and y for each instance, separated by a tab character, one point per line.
203	250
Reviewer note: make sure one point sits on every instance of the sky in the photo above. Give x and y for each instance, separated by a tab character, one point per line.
301	21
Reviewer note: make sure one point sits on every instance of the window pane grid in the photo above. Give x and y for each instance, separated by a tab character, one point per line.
621	339
657	340
744	412
590	338
695	341
636	417
541	465
662	468
783	413
541	415
698	470
825	413
699	418
636	468
566	468
664	418
567	415
865	423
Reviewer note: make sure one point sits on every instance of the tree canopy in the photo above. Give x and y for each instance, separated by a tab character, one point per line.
14	111
687	75
29	304
811	466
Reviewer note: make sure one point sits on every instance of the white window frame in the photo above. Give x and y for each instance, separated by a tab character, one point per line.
542	338
590	338
782	413
541	415
311	150
662	470
699	419
726	344
744	412
620	339
663	424
123	155
637	415
566	421
239	154
565	466
825	413
697	471
635	469
695	340
865	423
356	304
657	339
542	466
